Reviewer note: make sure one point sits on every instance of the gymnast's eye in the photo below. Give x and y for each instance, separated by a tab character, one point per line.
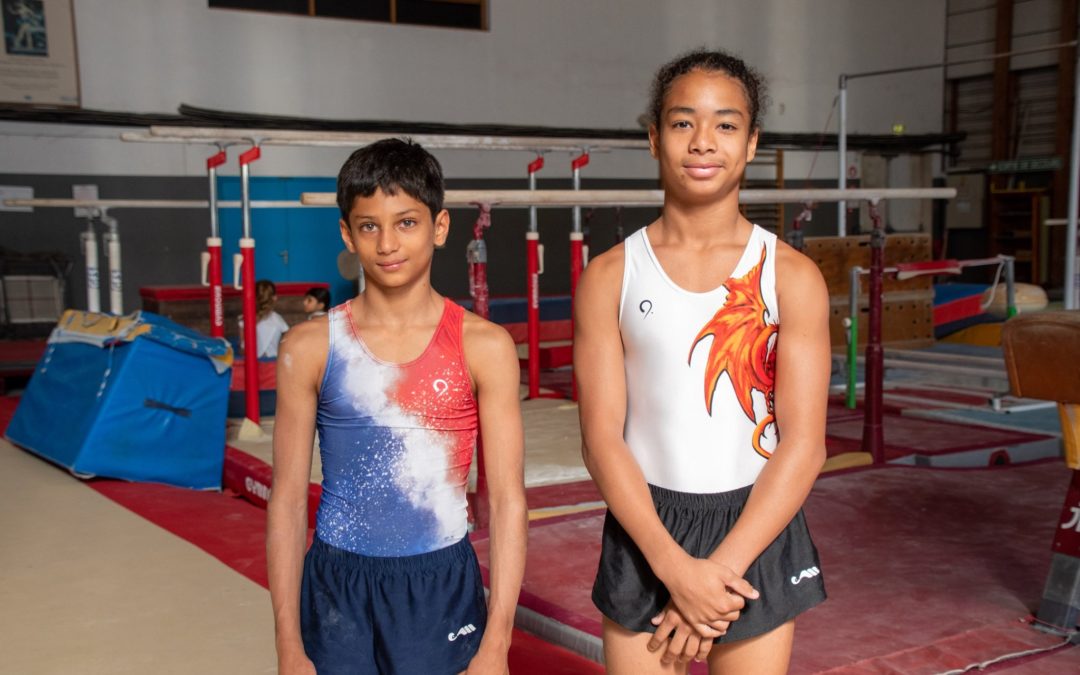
366	227
407	223
680	124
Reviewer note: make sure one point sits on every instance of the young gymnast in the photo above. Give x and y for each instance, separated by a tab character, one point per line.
270	325
397	381
316	301
701	350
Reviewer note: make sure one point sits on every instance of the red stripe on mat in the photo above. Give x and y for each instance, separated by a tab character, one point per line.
233	531
230	529
7	411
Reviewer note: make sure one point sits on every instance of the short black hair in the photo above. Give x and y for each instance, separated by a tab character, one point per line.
390	165
321	294
752	82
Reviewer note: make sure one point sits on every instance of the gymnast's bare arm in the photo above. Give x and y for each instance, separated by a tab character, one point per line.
301	360
697	586
493	364
803	363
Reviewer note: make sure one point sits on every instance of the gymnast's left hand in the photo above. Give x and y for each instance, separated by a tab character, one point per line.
682	642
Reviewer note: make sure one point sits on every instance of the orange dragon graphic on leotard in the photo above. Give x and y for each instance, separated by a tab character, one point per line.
741	348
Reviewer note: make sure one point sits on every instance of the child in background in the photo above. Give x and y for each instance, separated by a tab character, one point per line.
316	301
270	326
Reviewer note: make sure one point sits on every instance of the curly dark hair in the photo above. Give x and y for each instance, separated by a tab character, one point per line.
709	61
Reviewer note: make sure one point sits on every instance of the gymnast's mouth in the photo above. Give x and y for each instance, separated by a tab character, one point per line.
702	170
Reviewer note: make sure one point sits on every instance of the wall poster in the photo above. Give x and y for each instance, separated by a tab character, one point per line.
38	60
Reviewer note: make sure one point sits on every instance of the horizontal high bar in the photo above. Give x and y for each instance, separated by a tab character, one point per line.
647	198
959	62
207	135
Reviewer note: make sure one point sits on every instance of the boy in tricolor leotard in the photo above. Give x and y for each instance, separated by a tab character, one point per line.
701	349
397	382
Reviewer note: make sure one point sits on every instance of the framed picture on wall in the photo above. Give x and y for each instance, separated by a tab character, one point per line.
38	59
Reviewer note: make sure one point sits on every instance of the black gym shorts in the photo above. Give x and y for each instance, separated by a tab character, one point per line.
787	574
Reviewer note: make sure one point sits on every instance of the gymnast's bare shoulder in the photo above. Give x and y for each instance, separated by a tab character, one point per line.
602	279
303	351
798	279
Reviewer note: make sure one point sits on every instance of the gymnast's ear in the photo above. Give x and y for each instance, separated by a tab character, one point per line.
654	140
751	145
346	235
442	227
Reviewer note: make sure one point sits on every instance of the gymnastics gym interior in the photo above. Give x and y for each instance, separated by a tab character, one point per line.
157	158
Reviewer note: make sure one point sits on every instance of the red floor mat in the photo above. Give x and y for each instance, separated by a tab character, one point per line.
925	568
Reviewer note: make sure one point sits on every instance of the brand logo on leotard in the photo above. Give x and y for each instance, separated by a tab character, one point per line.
439	386
645	307
464	630
808	573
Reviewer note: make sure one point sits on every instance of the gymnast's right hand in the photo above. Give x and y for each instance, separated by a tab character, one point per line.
295	664
709	595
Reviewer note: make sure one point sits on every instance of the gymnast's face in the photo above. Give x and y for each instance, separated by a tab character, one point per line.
703	140
394	236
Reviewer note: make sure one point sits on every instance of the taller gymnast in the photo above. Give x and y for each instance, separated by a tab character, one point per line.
703	422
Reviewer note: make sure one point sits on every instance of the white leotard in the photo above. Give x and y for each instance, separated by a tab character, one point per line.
682	437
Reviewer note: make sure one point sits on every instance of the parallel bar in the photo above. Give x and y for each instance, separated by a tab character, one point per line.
151	203
649	198
519	198
356	139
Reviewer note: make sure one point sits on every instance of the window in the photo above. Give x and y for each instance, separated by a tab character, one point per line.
469	14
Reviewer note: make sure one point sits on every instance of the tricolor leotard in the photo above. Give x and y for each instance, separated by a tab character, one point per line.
396	442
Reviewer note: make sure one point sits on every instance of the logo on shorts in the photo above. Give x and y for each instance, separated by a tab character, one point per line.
464	630
808	573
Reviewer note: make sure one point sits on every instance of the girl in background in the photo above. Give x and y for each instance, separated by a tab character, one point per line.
270	326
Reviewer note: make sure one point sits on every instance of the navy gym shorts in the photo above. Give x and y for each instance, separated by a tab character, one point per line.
414	614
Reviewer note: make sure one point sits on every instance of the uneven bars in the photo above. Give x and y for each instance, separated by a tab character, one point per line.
355	139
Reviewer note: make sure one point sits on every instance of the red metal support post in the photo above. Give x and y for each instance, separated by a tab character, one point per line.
873	428
532	285
212	260
577	243
247	252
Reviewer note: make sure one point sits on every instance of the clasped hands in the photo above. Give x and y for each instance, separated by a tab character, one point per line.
706	597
